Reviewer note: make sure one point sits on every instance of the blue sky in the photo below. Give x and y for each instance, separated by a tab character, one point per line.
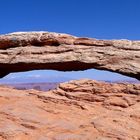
102	19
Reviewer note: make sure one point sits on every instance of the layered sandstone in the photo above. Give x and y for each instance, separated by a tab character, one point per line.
76	110
25	51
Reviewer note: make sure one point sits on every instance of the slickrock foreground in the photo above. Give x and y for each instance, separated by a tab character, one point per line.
25	51
77	110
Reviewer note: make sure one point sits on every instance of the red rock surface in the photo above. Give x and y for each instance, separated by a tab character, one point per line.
77	110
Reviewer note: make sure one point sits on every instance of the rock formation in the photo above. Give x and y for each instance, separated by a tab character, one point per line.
76	110
25	51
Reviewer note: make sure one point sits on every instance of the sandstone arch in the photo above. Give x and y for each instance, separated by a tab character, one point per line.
23	51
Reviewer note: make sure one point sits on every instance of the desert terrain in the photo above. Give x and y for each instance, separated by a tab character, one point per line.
76	110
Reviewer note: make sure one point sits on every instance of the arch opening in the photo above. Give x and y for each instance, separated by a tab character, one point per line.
48	79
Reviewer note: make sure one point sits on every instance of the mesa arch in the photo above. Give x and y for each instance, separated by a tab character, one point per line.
24	51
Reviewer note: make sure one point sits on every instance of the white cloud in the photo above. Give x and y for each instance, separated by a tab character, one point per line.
34	76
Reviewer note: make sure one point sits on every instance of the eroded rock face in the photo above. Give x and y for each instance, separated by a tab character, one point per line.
25	51
76	110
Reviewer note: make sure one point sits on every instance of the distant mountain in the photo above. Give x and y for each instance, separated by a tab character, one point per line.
123	81
33	79
36	86
45	83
